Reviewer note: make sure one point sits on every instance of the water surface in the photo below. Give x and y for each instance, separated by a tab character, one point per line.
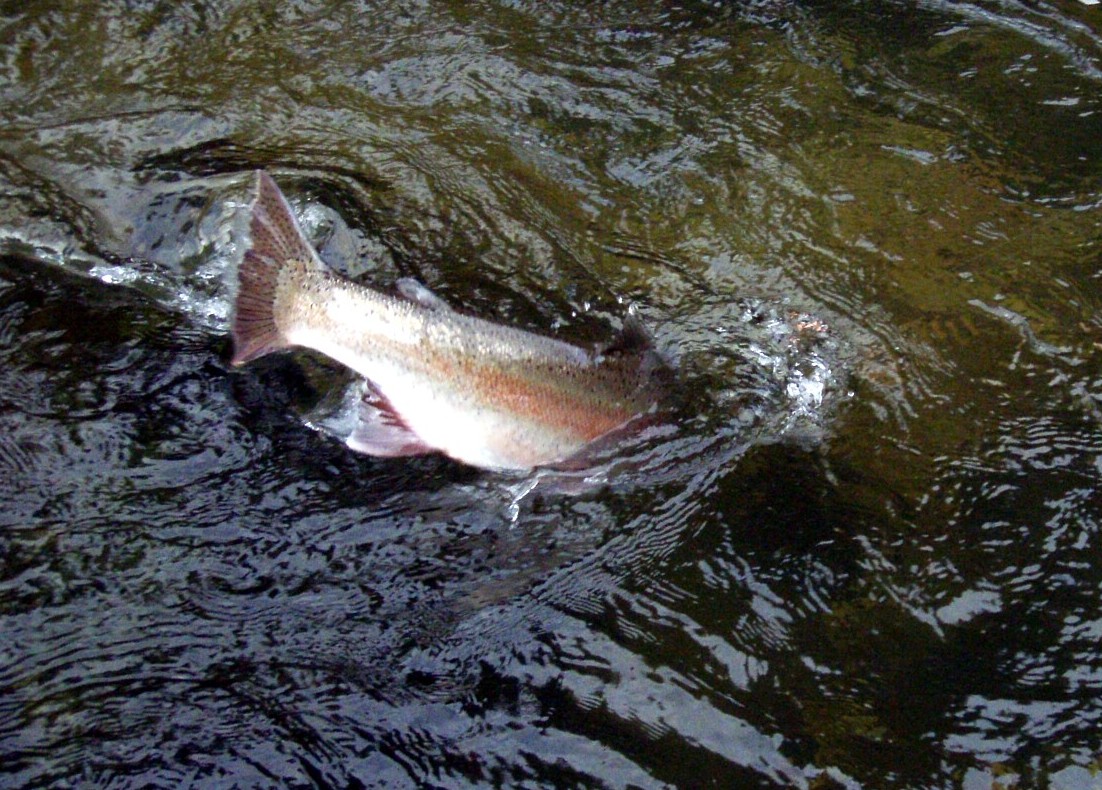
866	551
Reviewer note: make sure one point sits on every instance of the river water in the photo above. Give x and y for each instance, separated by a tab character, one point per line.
866	550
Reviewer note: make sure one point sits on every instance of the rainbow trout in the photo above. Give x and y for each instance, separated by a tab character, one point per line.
439	381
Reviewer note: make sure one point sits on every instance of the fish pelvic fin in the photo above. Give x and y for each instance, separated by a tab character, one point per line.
276	244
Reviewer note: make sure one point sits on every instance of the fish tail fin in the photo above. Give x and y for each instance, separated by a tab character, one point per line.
277	243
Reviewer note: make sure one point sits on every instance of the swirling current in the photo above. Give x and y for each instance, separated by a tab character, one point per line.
864	553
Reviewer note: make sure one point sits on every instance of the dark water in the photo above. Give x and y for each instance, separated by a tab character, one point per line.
868	553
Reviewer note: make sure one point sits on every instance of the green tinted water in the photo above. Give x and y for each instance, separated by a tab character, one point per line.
869	235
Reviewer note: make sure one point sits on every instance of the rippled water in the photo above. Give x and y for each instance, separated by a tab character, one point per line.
865	554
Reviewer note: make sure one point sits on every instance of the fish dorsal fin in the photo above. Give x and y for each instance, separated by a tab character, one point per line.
421	294
633	338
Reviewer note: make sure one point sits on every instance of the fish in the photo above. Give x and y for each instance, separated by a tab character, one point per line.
439	380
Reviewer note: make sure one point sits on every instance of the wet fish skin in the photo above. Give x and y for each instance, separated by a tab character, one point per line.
483	393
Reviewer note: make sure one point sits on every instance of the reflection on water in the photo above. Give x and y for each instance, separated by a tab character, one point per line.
862	553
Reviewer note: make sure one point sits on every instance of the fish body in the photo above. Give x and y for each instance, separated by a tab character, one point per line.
488	395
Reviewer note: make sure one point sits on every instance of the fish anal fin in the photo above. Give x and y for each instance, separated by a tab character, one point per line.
415	291
380	431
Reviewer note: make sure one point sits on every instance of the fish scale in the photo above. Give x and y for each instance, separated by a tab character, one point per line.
485	394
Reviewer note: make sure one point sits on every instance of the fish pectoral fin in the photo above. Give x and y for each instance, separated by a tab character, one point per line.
633	338
379	431
421	294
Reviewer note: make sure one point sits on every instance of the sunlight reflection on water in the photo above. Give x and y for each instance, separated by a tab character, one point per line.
860	553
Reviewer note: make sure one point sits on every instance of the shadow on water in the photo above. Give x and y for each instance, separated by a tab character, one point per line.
862	552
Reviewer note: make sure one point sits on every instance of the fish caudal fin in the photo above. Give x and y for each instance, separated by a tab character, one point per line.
277	243
255	332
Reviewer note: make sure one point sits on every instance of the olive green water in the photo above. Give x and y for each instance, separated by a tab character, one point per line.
865	553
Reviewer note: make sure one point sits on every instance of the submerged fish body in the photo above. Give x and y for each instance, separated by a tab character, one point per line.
488	395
